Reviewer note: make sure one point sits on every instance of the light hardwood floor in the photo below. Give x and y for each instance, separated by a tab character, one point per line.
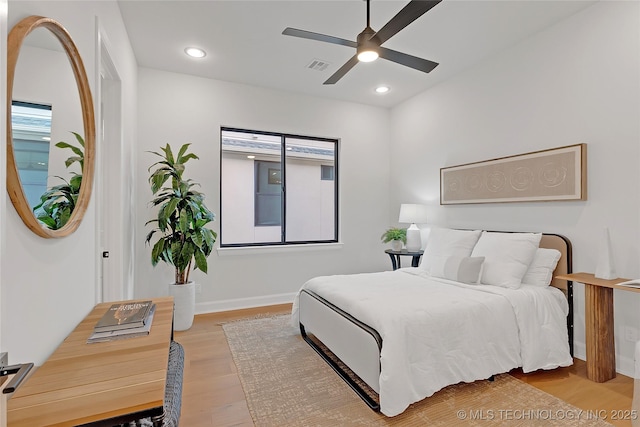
212	394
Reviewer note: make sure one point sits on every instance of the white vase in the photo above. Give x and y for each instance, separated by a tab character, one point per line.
604	267
396	245
184	300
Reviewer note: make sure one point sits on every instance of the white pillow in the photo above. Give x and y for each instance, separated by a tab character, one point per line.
540	272
424	236
460	269
507	257
446	242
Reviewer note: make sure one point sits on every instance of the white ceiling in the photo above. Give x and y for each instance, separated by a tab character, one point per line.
244	43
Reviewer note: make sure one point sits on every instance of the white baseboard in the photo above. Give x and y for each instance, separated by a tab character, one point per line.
240	303
624	365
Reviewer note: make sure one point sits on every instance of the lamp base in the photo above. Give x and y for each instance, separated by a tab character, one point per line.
414	242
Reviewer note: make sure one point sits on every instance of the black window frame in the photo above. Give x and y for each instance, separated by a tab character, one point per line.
283	137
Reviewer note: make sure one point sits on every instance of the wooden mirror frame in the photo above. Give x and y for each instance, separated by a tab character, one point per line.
14	186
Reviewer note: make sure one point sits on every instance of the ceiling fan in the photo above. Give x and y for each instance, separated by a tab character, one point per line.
368	47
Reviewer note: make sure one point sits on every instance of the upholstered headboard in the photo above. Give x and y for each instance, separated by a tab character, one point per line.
561	243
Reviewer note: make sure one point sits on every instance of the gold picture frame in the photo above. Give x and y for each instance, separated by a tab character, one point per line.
556	174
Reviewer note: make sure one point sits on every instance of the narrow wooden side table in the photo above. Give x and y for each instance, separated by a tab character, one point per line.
599	331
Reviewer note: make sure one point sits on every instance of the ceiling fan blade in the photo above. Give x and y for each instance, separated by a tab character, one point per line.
318	37
407	60
342	70
412	11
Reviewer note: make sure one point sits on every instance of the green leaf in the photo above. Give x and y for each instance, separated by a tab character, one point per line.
168	155
48	221
157	181
75	182
149	236
186	158
72	160
79	138
201	261
184	222
183	149
157	250
76	150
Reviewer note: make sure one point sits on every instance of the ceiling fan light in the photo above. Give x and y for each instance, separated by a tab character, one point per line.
367	56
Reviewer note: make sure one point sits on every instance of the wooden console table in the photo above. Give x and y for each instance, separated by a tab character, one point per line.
100	383
599	332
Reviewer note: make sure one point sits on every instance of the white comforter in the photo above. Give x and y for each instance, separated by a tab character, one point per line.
437	332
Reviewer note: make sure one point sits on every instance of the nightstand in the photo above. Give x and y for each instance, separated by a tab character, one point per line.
598	301
395	257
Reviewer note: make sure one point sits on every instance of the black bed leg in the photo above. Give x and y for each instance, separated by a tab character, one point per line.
491	378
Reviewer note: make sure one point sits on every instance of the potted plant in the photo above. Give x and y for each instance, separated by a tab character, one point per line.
58	202
183	241
397	236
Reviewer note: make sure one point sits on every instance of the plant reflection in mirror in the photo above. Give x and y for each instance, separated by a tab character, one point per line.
57	203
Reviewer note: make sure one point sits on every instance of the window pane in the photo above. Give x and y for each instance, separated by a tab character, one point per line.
250	204
310	198
31	126
268	193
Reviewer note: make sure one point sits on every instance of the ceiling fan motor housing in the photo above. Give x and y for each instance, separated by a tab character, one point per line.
368	42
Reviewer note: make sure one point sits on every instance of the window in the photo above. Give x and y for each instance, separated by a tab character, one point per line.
31	127
277	189
326	173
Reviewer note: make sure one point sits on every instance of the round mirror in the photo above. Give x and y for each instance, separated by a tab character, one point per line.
49	174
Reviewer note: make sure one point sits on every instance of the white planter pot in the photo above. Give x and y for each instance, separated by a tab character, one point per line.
396	245
184	299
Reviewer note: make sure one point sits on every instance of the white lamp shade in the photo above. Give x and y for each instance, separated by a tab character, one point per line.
413	214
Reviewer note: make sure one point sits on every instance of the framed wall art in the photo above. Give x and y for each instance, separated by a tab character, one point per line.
547	175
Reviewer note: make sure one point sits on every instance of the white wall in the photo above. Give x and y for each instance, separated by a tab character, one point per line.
177	108
575	82
49	285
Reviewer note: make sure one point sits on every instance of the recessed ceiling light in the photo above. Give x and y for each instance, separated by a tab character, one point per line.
195	52
251	157
382	89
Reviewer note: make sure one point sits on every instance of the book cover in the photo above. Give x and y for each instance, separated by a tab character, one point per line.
635	283
117	334
124	316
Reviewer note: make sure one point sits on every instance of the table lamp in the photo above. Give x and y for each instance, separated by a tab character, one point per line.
412	214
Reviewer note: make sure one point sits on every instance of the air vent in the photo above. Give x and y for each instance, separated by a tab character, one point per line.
318	65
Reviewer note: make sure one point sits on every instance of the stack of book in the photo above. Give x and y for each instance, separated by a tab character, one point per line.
124	320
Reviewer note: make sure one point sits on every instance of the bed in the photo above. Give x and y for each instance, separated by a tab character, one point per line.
408	333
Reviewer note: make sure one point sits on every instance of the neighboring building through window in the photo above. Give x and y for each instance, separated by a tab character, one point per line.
277	188
31	134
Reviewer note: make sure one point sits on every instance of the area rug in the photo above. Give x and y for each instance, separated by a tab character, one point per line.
286	383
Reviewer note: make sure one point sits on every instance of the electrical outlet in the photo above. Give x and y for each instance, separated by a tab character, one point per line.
4	359
198	288
630	334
